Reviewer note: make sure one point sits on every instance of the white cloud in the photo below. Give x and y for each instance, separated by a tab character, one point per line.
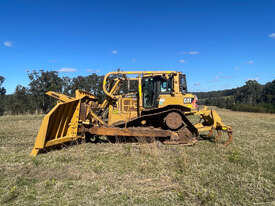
93	70
250	62
255	78
220	77
7	43
192	52
114	52
66	69
181	61
272	35
196	84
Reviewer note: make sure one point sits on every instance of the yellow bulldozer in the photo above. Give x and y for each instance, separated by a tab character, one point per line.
146	105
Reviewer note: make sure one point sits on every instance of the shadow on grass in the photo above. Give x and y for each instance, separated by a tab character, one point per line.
94	139
205	137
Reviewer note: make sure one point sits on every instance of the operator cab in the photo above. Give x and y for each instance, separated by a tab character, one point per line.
154	86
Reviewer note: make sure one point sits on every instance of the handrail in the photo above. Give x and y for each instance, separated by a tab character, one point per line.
131	72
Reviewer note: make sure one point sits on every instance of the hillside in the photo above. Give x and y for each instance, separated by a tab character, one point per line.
252	97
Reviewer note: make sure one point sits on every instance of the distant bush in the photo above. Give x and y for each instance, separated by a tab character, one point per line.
254	108
252	97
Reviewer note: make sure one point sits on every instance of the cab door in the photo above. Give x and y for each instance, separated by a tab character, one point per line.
153	88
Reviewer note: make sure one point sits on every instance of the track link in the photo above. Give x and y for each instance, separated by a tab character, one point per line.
182	132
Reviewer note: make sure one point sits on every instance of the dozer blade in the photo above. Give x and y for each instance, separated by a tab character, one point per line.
62	123
58	126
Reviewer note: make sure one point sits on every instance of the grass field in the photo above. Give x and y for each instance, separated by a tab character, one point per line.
141	174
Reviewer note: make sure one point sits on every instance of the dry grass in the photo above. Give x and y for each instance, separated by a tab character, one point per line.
140	174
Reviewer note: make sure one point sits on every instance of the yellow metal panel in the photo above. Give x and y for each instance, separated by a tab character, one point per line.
72	130
62	140
139	95
62	122
62	119
42	134
80	93
59	96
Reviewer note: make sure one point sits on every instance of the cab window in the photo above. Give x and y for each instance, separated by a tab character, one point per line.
183	85
166	85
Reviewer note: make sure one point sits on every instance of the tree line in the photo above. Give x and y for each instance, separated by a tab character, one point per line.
252	97
32	99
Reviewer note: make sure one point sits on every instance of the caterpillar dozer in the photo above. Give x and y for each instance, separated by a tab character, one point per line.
151	105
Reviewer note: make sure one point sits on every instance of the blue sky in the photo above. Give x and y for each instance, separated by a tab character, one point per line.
219	44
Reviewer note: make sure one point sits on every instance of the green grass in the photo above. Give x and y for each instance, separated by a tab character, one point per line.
141	174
